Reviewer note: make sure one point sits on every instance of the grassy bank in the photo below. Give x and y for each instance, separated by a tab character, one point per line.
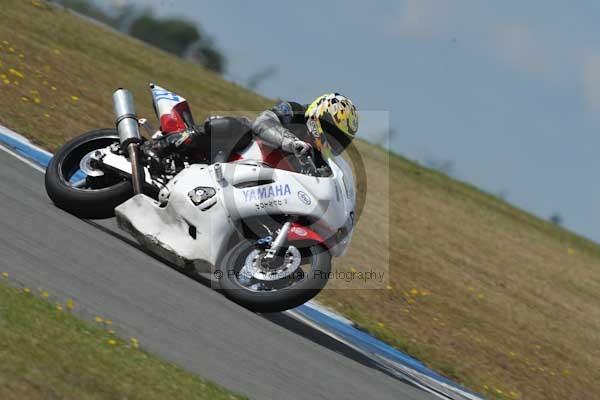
495	298
46	353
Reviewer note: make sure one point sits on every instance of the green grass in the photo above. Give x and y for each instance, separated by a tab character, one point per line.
47	353
501	301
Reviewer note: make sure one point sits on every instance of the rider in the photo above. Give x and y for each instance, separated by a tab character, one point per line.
328	124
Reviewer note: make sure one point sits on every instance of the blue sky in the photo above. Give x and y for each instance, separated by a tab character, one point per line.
508	91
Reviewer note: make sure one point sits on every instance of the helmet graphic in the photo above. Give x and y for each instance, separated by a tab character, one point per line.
332	119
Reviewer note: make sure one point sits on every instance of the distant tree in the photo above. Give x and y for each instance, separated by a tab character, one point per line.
178	36
556	219
205	53
122	16
171	34
87	8
257	78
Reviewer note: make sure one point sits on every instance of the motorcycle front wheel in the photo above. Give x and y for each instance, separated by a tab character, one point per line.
261	285
92	195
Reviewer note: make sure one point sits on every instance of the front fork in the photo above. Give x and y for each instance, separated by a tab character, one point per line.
279	242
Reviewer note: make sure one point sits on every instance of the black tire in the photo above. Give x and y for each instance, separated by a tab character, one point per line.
279	300
84	203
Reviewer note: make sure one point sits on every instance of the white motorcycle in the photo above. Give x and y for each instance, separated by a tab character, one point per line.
262	224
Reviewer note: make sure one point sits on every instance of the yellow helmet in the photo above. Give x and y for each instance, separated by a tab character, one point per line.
332	119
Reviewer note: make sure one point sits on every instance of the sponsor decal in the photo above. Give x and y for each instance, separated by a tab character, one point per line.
267	192
304	197
165	95
201	194
272	203
299	231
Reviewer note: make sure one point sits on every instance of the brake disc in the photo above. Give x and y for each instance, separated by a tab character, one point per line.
254	268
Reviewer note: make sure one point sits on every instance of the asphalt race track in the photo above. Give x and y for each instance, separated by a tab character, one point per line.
179	319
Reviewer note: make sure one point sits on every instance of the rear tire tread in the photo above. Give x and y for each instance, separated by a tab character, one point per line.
94	204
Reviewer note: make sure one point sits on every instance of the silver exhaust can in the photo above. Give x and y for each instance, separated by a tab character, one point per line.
126	118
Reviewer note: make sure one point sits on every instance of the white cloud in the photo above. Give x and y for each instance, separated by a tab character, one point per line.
544	55
419	18
535	52
431	18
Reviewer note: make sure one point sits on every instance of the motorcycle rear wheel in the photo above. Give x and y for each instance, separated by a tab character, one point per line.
277	300
89	197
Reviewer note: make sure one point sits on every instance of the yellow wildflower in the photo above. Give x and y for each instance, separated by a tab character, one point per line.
16	73
11	49
108	322
414	291
26	290
135	343
53	88
59	307
70	304
74	98
112	342
5	275
37	101
23	98
98	319
6	81
45	294
21	55
380	324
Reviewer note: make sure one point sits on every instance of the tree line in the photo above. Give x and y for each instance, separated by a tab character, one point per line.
174	35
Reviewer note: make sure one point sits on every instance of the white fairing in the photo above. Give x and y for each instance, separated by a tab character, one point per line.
169	230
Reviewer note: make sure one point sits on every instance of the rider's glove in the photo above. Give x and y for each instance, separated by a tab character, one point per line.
296	147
